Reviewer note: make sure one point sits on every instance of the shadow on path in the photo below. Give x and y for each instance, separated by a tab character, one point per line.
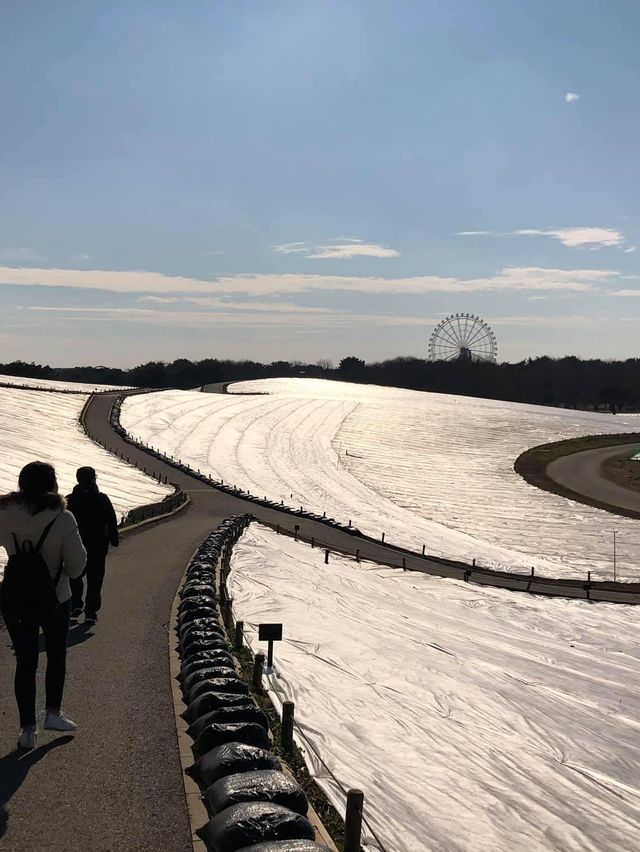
79	633
14	768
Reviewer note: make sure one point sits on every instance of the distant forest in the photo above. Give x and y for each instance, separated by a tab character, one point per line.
568	382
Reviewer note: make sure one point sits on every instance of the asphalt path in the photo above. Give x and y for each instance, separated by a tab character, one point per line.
581	473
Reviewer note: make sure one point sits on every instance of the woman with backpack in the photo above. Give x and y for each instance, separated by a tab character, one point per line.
45	550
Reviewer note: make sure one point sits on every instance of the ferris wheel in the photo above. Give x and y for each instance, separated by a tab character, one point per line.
463	337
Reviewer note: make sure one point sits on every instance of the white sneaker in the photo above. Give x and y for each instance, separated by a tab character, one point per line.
58	722
27	738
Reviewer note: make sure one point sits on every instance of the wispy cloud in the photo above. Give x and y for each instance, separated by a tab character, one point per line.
342	249
513	278
571	97
211	302
556	321
322	319
291	248
630	250
580	237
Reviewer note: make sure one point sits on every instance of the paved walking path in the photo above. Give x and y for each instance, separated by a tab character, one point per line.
116	786
581	473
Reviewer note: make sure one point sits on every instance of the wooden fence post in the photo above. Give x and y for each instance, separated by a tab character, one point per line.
326	557
353	821
239	635
258	666
227	611
286	736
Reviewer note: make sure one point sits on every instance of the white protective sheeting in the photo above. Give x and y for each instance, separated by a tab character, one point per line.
425	468
53	384
475	720
44	426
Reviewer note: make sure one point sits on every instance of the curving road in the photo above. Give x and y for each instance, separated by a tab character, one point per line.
580	472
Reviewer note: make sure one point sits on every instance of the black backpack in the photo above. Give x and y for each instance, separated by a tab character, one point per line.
28	592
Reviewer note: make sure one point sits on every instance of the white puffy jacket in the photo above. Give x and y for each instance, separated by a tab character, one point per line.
62	544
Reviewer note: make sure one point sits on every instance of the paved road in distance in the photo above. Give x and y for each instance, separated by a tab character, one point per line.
581	473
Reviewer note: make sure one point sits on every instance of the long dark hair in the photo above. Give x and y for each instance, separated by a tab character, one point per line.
38	489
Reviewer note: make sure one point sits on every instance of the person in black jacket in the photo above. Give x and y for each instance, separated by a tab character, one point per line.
98	527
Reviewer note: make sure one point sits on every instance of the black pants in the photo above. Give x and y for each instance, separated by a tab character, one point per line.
94	573
26	641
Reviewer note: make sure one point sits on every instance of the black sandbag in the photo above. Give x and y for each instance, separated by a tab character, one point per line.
202	569
240	732
201	576
218	657
198	645
214	631
189	621
190	615
195	589
200	723
212	700
196	600
284	846
247	712
208	622
192	636
203	623
230	758
212	671
202	563
218	684
189	604
252	822
263	785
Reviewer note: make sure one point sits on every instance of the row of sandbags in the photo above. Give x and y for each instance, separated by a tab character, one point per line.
253	805
228	489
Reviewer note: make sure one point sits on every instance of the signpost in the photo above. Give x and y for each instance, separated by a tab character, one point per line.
270	633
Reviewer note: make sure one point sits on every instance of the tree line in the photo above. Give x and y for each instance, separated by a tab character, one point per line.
569	382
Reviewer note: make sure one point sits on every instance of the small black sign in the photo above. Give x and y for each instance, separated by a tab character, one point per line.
269	632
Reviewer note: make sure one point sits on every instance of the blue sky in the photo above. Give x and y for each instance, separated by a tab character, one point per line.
306	179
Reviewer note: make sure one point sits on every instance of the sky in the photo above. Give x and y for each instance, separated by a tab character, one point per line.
311	179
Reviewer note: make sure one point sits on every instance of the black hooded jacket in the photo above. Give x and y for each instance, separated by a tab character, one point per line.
96	518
